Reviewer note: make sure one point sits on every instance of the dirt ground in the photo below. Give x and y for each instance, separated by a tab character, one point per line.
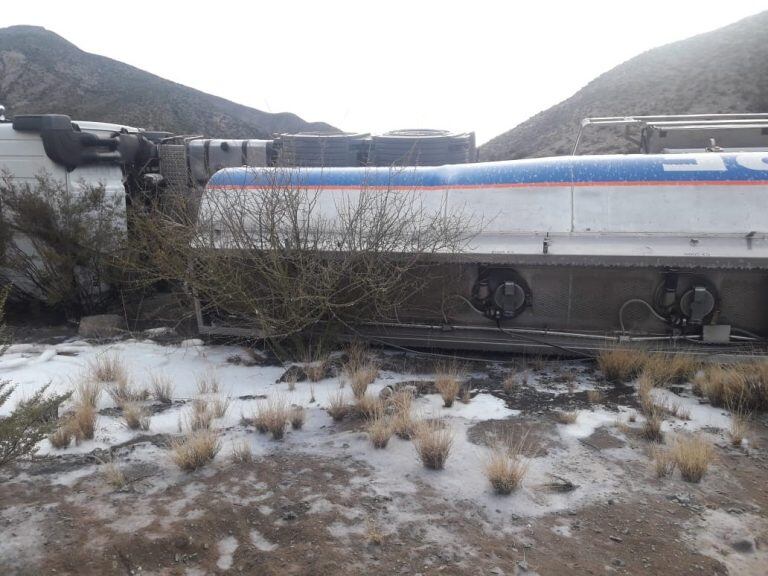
302	512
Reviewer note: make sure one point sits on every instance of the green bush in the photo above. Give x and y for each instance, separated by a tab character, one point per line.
29	423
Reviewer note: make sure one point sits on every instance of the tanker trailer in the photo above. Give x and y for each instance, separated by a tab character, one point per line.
573	253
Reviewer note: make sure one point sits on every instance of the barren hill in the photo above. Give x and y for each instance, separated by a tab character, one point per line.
721	71
41	72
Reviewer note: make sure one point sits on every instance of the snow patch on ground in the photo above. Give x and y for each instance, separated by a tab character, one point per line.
227	547
261	543
734	540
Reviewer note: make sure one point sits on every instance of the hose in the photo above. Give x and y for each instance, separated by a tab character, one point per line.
638	301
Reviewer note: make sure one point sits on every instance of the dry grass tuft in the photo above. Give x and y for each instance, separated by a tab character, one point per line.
202	416
563	417
621	365
208	383
676	410
161	387
61	437
107	368
403	424
337	406
135	416
298	416
692	455
742	385
373	533
511	383
195	449
241	452
82	422
315	365
275	416
258	419
113	475
123	391
433	441
652	427
88	391
505	468
594	396
448	379
380	431
663	462
370	407
665	369
644	392
739	426
360	376
219	406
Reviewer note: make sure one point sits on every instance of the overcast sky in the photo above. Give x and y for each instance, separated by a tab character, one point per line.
374	66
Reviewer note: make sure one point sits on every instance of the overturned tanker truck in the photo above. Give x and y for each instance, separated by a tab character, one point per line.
573	253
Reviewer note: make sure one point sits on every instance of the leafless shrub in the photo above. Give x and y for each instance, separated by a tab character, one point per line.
566	417
663	461
241	452
380	431
63	242
692	454
337	405
298	417
448	382
108	368
505	467
256	248
196	449
135	416
161	388
621	364
433	441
